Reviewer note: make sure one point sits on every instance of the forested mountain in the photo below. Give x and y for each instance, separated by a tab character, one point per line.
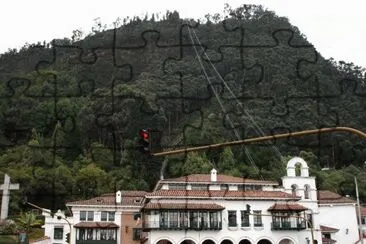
71	109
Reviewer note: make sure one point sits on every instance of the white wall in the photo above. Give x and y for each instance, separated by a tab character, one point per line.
97	217
254	234
341	217
52	222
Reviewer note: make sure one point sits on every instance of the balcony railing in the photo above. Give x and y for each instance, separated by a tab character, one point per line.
284	225
174	225
96	241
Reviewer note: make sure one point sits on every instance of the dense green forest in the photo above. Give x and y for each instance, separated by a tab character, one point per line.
71	109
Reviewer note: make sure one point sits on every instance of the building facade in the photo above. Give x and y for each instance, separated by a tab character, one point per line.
109	219
220	209
57	227
217	209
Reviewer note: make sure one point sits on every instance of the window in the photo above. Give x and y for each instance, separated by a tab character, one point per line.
232	218
83	234
363	220
89	234
86	215
58	233
107	216
164	219
194	217
293	190
136	234
173	219
307	192
199	187
257	218
298	169
90	216
215	220
204	220
82	215
249	188
244	219
184	219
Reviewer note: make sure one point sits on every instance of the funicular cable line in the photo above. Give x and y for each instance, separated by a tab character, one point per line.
257	128
247	153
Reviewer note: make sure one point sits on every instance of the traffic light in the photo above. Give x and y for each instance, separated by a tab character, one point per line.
68	237
144	141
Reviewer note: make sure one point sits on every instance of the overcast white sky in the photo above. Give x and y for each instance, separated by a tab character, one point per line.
335	28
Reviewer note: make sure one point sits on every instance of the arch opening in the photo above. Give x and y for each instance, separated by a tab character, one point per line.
187	242
293	190
164	241
307	192
208	242
298	168
264	241
286	241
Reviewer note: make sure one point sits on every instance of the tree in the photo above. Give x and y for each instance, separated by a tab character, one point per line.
27	221
196	163
227	162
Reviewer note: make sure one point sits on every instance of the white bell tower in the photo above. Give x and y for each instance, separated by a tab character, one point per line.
298	181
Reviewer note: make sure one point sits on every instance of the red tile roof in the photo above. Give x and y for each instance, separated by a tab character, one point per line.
286	207
332	197
206	178
96	225
128	194
181	206
327	229
129	198
221	194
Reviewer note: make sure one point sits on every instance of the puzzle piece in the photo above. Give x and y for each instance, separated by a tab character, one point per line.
192	68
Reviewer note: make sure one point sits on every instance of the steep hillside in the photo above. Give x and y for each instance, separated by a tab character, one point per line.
71	109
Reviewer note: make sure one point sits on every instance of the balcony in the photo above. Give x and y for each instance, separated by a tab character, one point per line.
96	242
174	225
286	225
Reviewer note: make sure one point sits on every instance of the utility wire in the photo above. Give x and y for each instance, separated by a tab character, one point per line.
257	128
222	106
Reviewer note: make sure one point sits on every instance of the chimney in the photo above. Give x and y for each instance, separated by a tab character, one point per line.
118	197
213	175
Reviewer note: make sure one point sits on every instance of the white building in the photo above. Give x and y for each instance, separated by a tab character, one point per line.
217	209
56	227
363	222
108	219
214	209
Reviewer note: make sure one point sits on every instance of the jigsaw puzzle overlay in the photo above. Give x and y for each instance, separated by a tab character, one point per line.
239	77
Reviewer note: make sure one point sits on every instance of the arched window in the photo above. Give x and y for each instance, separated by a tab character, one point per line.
307	192
298	169
293	190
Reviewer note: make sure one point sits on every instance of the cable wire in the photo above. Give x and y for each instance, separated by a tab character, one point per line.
221	105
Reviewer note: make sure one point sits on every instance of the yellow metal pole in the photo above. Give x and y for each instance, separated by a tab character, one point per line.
261	139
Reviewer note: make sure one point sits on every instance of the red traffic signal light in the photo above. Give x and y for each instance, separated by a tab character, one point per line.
144	141
144	134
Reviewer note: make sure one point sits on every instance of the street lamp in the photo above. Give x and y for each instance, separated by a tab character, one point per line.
59	217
